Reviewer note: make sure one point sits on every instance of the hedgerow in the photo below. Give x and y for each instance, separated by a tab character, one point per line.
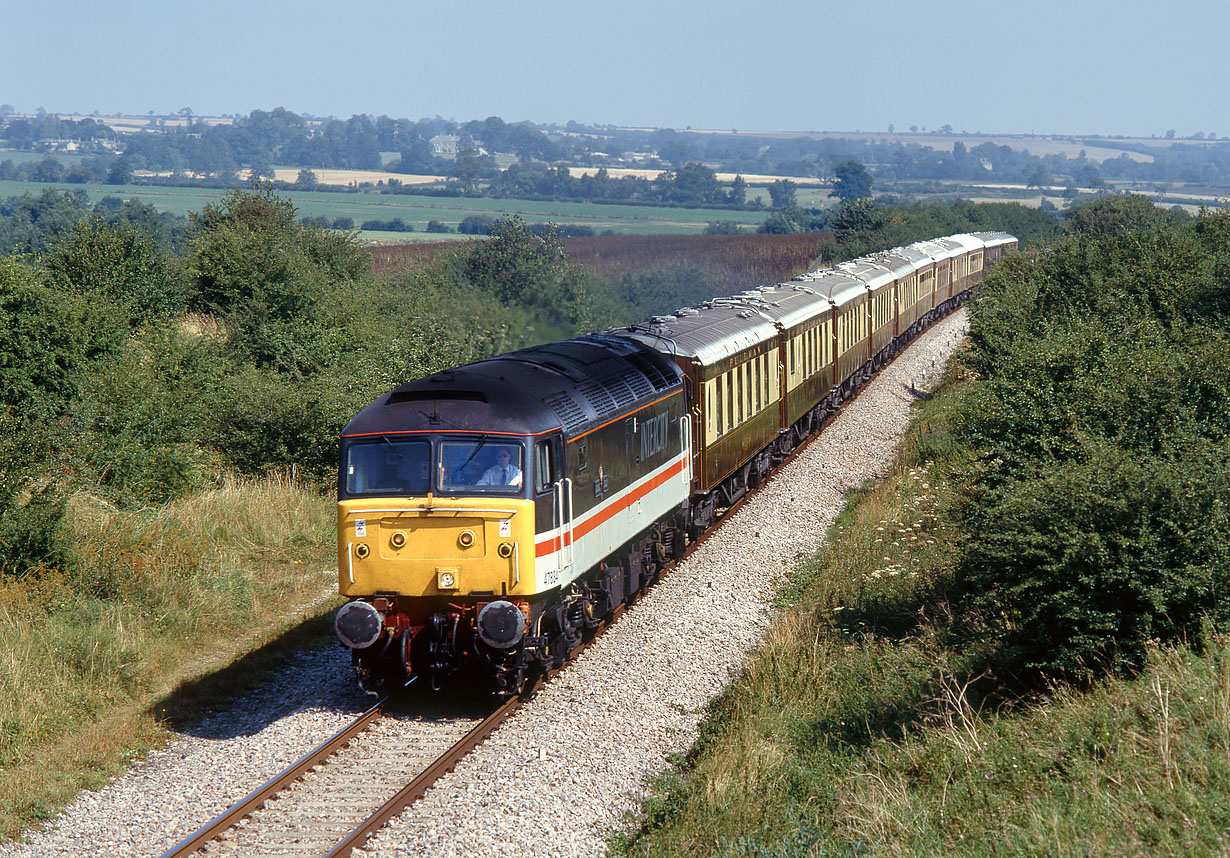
1095	514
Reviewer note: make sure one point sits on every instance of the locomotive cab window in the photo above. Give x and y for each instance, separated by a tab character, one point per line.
384	466
481	466
546	469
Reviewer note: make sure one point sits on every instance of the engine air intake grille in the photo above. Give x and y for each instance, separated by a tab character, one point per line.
653	370
569	412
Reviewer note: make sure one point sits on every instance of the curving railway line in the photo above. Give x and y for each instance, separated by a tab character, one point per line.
336	797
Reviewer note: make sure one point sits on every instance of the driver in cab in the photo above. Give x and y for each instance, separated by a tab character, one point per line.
503	472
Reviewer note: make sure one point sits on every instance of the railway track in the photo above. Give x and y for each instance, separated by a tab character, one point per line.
334	798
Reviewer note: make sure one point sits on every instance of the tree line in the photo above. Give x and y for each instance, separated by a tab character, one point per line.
251	145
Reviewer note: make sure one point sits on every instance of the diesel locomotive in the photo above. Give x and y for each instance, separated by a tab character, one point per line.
491	515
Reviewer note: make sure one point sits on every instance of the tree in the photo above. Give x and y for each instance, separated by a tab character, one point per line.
852	181
695	183
465	170
117	266
1039	177
120	173
858	216
789	220
782	193
475	225
1114	215
306	179
530	269
49	170
738	192
265	274
1089	176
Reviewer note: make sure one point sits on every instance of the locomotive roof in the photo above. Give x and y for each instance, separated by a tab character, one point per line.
577	384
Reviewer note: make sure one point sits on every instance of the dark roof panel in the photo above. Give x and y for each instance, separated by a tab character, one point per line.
576	384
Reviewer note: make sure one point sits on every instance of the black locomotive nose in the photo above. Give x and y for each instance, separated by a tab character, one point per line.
501	625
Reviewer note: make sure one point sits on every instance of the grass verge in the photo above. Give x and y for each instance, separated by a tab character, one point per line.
858	729
137	634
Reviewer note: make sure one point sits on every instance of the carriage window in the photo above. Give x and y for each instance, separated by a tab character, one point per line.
746	372
731	421
756	373
737	411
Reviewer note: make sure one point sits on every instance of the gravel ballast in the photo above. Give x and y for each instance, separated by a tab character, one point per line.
566	768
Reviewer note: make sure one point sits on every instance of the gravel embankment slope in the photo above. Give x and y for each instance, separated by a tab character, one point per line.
568	766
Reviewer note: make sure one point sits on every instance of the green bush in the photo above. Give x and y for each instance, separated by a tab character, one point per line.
266	422
1084	562
121	265
1094	518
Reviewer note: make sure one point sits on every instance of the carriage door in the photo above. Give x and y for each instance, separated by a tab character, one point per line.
553	490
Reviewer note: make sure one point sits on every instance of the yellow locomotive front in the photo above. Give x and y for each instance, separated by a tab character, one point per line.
434	518
435	551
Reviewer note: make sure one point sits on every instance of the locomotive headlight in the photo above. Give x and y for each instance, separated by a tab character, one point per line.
398	540
505	550
361	550
466	538
446	579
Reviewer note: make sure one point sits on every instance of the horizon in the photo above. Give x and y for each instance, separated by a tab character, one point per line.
921	132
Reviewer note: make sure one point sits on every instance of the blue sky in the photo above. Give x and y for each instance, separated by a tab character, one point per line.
1081	66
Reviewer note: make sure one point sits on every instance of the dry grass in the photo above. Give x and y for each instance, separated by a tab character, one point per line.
155	597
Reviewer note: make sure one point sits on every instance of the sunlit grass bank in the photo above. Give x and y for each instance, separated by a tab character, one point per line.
152	597
859	728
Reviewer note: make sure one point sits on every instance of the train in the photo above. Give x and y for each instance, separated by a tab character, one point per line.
492	515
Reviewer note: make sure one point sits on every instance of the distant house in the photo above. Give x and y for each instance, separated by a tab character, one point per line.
444	145
50	144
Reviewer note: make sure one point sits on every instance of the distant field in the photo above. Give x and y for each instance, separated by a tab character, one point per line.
68	159
730	262
1037	145
417	210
